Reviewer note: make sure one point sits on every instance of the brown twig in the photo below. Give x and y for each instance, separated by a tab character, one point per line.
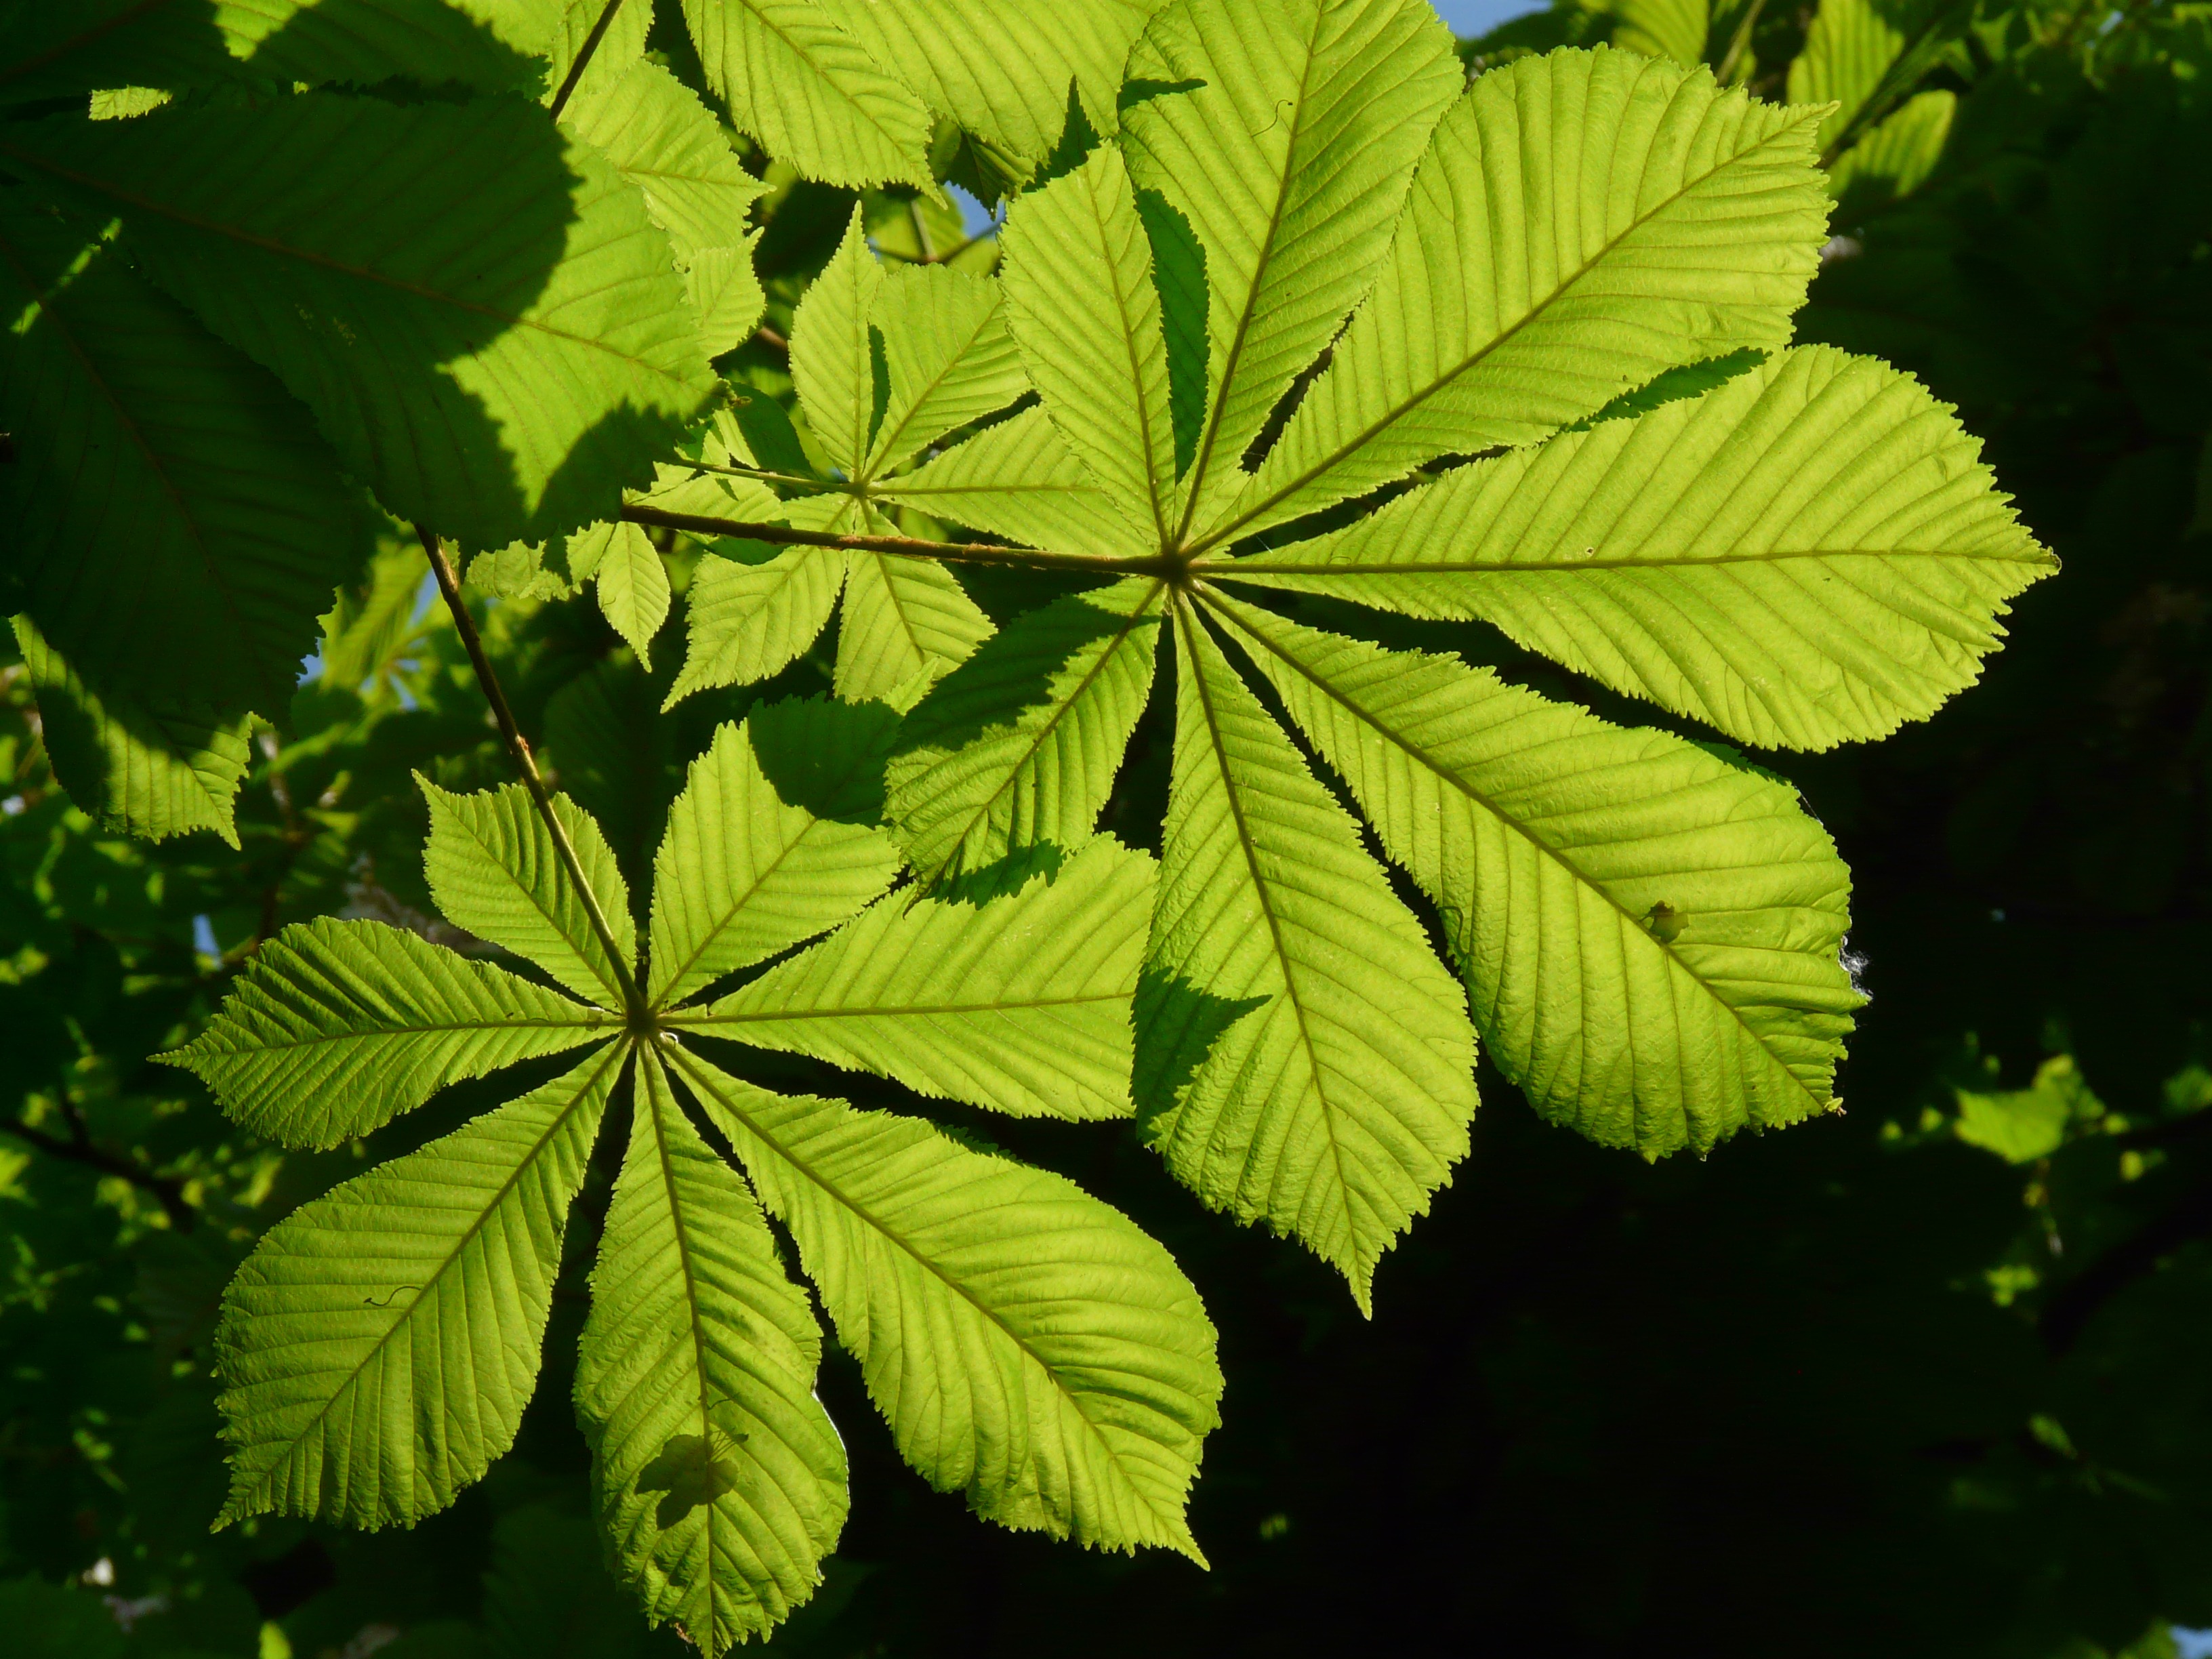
584	56
1022	558
449	584
166	1189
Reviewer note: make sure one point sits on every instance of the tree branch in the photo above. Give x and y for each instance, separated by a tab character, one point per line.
2076	1301
1024	558
584	56
166	1190
449	584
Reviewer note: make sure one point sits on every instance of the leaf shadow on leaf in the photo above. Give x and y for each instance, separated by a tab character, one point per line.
358	329
826	756
1078	139
178	45
1179	279
978	694
691	1470
1178	1027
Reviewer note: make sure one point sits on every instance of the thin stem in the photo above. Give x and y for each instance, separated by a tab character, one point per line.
1024	558
168	1192
1725	73
793	479
773	340
584	56
449	584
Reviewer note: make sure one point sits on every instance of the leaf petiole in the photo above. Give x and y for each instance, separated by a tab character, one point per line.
449	586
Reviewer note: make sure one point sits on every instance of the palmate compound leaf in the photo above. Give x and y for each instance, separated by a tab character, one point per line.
941	339
1580	223
494	869
337	1027
1650	932
379	1345
1302	1058
1286	135
721	1481
1026	1343
165	490
1020	744
484	321
1809	554
773	840
1020	1004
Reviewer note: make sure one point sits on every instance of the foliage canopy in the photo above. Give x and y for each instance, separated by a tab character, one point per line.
1296	347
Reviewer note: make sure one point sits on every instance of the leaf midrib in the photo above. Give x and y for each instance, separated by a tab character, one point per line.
507	319
719	1015
881	453
1232	570
1224	531
675	989
523	1165
692	1067
1187	619
1404	746
691	1299
1250	307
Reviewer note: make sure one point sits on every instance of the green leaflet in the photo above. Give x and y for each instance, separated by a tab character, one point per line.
379	1345
632	589
1301	1056
1650	933
772	841
1027	1344
811	92
749	619
1810	553
1083	307
907	623
1002	69
155	764
494	871
831	362
726	293
1286	135
336	1028
167	492
1018	479
947	355
1020	1005
496	347
659	137
1020	744
720	1480
1580	223
48	51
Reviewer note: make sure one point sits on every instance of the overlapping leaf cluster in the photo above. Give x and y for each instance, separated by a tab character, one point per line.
1027	1345
260	258
1264	325
1291	315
